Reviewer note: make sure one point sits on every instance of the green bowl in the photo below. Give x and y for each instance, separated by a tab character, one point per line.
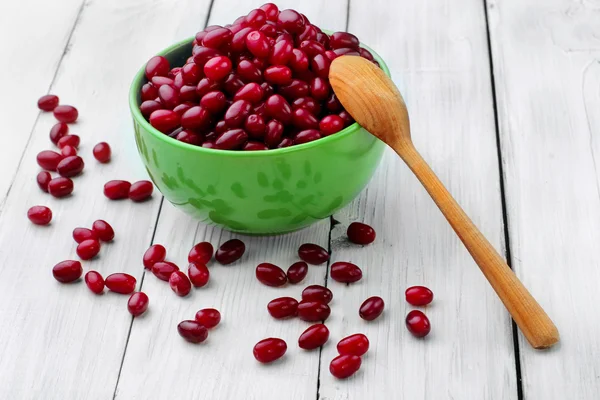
255	192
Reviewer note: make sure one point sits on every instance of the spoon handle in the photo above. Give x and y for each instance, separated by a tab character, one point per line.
533	321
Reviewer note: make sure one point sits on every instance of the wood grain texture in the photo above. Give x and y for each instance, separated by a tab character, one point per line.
547	73
32	46
439	61
60	341
159	364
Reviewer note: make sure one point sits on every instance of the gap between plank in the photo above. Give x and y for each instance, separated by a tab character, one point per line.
502	194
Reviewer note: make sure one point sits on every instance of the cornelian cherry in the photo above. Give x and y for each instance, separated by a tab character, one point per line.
418	324
270	275
155	253
138	303
94	282
297	272
269	350
418	295
283	307
120	283
198	274
313	337
39	215
208	317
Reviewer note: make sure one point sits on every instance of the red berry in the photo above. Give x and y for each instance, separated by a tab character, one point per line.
70	166
313	337
270	275
141	190
209	317
155	253
269	350
313	254
179	283
103	230
251	92
199	274
278	75
195	118
58	131
418	295
371	308
256	18
94	282
297	272
299	61
217	68
116	189
66	114
291	21
191	74
329	125
418	324
214	101
48	102
294	90
313	311
216	38
317	293
192	331
102	152
164	120
43	178
88	249
48	159
303	119
345	272
60	187
39	215
257	44
67	271
357	232
149	106
277	107
120	283
81	234
357	345
68	151
344	366
149	92
163	270
201	253
157	66
232	139
230	251
236	114
138	303
283	307
68	140
343	39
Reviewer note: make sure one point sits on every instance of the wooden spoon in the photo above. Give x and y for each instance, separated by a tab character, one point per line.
376	104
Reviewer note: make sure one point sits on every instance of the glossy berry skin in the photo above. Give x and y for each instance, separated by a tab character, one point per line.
88	249
149	91
273	133
201	253
230	251
232	139
66	114
257	44
43	178
68	151
39	215
60	187
303	119
70	166
149	106
141	190
313	254
163	270
343	39
164	120
103	230
418	295
67	271
418	324
236	114
277	107
270	275
297	272
371	308
269	350
117	189
94	281
291	21
214	101
180	284
102	152
48	102
332	124
344	366
217	68
360	233
155	253
120	283
345	272
81	234
271	11
209	317
157	66
195	118
313	337
317	293
58	131
283	307
138	303
48	159
356	345
251	92
278	75
68	140
312	311
199	274
192	331
306	136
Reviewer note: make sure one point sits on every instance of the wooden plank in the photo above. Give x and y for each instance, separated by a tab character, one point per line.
60	341
33	45
547	72
438	55
160	364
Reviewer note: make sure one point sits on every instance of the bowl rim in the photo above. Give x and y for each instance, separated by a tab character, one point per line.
139	118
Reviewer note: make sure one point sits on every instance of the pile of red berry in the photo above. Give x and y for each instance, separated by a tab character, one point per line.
261	83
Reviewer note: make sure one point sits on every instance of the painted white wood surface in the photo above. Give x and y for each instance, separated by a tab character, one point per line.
547	71
31	46
223	367
439	60
60	341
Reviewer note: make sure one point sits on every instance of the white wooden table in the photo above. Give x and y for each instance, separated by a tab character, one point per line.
504	99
